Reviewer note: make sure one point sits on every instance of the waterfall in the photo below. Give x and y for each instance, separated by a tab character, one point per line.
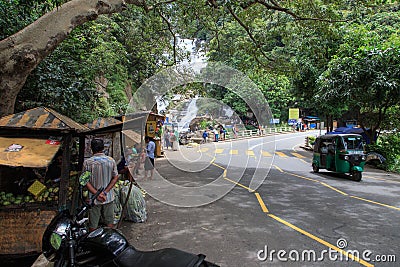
191	113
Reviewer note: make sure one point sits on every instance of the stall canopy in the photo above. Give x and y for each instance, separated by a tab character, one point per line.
105	125
32	138
27	152
41	119
134	136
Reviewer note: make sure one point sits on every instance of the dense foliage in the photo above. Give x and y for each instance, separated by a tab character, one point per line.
95	71
388	146
332	59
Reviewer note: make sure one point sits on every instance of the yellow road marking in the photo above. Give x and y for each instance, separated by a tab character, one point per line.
343	193
250	153
266	153
297	155
335	189
279	169
377	203
319	240
239	184
224	175
303	177
263	207
281	154
219	150
215	164
316	181
234	152
380	179
304	161
203	149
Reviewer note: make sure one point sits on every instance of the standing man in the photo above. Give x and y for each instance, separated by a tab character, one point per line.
149	163
103	173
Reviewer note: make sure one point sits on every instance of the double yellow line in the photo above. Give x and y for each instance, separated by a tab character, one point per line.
280	220
339	191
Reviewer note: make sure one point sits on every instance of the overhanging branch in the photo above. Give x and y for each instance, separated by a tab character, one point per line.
172	33
247	29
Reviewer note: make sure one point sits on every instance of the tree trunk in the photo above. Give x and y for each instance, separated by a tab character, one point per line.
329	123
23	51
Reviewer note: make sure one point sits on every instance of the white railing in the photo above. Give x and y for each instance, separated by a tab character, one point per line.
253	133
242	134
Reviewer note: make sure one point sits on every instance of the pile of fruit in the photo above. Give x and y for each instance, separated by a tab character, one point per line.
48	195
9	199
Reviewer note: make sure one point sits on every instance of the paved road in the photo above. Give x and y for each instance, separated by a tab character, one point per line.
275	204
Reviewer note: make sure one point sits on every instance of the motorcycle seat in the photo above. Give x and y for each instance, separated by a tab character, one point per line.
167	257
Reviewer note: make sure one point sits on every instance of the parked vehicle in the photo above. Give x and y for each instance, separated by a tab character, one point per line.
67	242
341	153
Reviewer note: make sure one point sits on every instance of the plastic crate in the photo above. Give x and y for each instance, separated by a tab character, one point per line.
37	188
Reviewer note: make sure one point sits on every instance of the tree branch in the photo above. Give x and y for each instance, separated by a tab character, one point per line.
277	7
244	26
172	33
152	7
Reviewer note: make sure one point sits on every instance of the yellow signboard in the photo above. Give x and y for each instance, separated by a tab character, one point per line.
151	128
294	113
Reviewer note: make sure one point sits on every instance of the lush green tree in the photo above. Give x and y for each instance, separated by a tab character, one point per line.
84	77
21	52
282	45
277	91
365	74
106	59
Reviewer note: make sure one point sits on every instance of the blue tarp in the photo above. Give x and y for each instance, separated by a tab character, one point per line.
346	130
311	118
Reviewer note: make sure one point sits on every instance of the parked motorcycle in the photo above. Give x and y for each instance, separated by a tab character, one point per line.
67	242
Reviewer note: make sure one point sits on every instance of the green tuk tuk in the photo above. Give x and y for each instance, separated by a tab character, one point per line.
341	153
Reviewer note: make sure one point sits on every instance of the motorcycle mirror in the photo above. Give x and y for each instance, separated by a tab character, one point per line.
84	178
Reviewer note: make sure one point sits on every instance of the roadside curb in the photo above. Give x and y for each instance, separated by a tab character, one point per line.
308	148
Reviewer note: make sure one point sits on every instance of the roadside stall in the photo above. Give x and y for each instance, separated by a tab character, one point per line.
108	129
39	156
119	144
153	127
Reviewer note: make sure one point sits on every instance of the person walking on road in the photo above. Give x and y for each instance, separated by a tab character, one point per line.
149	163
167	142
234	130
103	173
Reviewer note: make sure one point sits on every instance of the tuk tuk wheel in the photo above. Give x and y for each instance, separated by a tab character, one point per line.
315	168
356	176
